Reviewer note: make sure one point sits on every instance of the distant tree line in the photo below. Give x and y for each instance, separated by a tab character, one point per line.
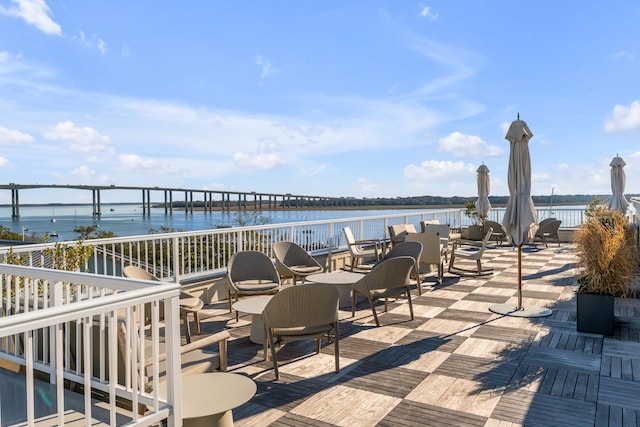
455	201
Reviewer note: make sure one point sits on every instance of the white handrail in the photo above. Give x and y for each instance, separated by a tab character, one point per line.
180	256
91	307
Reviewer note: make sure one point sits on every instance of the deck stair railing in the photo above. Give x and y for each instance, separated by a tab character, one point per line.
181	256
60	334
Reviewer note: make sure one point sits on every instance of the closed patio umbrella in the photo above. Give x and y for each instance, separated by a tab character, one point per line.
618	181
520	212
483	205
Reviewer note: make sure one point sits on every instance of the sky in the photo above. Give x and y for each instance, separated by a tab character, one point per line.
357	98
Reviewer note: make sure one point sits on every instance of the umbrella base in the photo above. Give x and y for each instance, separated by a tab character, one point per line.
525	311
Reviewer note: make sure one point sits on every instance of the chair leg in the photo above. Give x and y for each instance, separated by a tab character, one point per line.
373	309
196	322
336	349
229	299
273	353
410	304
353	303
187	331
451	258
317	345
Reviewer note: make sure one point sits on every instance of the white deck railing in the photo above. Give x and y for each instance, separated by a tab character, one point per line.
59	327
182	256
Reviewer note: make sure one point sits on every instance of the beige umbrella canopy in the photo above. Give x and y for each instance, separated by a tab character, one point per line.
520	213
483	205
618	182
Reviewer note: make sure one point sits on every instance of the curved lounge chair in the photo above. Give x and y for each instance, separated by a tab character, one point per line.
188	303
398	232
302	312
251	273
389	278
408	248
548	229
293	261
432	253
498	235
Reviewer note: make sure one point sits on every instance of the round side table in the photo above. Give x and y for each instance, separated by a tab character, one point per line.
208	399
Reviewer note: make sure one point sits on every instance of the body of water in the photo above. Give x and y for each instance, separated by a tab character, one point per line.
127	219
60	221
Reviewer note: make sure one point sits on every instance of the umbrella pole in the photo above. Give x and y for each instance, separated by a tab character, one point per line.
519	307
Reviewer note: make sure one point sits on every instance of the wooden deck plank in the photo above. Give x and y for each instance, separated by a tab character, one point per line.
619	392
396	382
530	408
415	414
491	373
563	359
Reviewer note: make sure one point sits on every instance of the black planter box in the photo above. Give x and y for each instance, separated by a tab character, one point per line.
595	314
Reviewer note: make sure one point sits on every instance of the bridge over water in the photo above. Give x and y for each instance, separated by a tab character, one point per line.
211	199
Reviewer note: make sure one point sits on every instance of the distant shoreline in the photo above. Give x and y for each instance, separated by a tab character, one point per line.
356	208
250	207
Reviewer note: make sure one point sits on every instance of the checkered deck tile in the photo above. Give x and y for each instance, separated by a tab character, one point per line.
456	363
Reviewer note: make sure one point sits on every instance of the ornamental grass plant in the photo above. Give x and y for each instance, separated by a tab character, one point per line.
607	250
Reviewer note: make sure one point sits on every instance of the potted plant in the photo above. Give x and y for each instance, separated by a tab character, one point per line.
474	231
608	261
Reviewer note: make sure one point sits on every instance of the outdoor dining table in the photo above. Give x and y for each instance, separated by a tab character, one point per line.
343	280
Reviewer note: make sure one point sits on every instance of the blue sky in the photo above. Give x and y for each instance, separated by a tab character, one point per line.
375	98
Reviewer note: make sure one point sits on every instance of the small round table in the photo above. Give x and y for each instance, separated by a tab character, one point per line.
341	280
254	306
208	399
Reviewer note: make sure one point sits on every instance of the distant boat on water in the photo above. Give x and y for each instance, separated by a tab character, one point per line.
54	234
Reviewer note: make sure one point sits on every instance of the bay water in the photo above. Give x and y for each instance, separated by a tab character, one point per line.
60	221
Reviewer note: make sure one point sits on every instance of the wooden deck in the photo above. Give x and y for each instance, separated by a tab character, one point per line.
457	363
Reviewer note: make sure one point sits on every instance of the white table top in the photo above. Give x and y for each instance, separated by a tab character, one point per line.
335	278
252	305
213	393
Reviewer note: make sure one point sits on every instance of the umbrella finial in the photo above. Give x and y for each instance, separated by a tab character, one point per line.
518	116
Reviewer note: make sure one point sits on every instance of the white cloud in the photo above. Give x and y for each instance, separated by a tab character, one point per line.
82	139
427	12
462	145
133	162
11	136
89	175
259	160
94	42
624	55
266	69
624	118
434	169
3	162
33	12
365	186
314	170
212	186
